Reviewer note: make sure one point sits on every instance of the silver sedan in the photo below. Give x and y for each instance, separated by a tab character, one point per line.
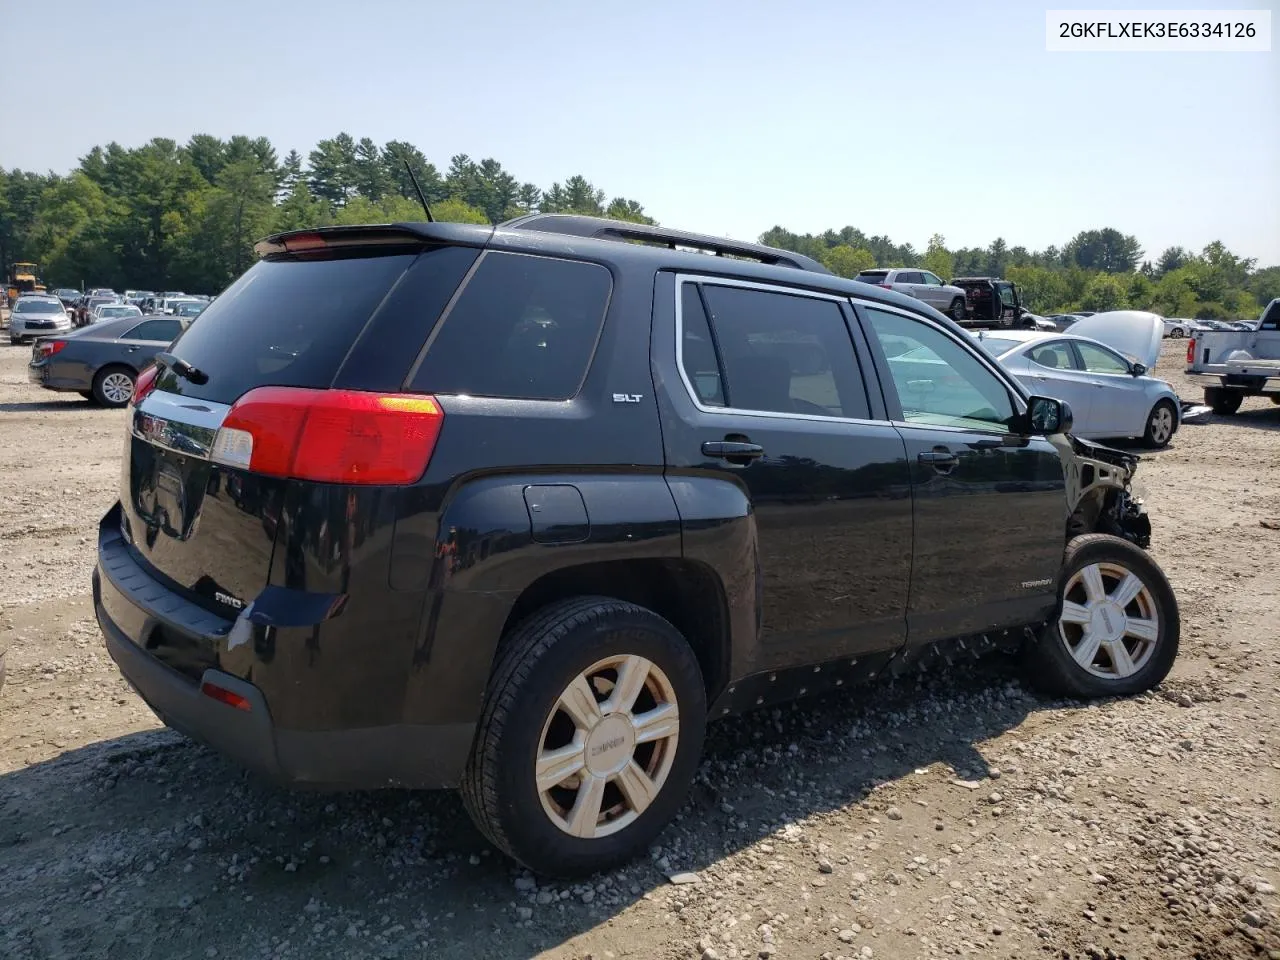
1108	384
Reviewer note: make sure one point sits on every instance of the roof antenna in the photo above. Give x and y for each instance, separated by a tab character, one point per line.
421	196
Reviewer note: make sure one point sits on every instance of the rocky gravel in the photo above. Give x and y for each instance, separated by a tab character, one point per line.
944	815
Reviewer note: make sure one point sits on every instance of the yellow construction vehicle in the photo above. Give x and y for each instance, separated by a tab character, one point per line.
23	279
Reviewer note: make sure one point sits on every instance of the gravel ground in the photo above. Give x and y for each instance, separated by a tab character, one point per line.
948	816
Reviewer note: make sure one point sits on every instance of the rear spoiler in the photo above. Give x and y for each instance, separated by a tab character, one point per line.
378	234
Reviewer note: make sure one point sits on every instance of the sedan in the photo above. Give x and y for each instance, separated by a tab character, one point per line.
113	311
37	316
101	362
1102	369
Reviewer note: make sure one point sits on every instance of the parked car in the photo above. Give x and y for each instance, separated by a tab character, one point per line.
1111	393
66	295
114	311
85	308
190	308
922	285
1233	364
1178	327
491	507
1032	321
102	362
36	315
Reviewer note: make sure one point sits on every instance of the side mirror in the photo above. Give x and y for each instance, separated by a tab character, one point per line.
1047	415
1138	369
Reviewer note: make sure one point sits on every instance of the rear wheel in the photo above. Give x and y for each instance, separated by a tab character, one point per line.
1223	402
1117	629
957	311
1275	398
589	739
113	386
1160	425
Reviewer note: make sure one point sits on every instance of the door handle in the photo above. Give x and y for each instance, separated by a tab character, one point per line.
732	450
940	458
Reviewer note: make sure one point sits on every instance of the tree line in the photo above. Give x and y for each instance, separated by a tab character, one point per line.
169	216
185	216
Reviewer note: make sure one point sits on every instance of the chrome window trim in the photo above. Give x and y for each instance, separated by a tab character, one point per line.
711	280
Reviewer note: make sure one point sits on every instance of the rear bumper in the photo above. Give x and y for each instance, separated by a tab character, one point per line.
1223	381
131	605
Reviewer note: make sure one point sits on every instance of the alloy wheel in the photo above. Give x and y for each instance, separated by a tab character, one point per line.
1110	623
117	387
607	746
1161	425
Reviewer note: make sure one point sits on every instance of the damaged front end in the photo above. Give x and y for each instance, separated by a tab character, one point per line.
1100	494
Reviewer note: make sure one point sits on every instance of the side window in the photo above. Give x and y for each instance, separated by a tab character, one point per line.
158	331
930	279
697	350
938	381
525	328
785	353
908	276
1055	356
1098	360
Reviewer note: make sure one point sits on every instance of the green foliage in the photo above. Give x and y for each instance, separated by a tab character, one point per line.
845	261
164	216
1106	292
937	258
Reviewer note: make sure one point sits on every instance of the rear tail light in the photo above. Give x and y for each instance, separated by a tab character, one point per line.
49	347
330	436
887	286
1191	350
304	241
145	383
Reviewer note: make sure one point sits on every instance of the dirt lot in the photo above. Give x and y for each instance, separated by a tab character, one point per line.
967	817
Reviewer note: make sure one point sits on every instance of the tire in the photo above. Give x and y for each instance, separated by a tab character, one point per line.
1162	421
1223	402
1052	661
1176	333
539	665
108	389
957	312
1275	398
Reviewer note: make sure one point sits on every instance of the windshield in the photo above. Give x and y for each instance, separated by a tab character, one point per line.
121	312
997	345
190	309
37	306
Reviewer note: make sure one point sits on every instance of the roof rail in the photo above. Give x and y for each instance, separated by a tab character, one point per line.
605	229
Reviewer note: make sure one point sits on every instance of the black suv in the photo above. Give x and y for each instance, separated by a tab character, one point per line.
520	509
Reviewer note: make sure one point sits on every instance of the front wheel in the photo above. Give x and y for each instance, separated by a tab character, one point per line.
1176	333
113	387
1117	628
958	311
1160	425
589	738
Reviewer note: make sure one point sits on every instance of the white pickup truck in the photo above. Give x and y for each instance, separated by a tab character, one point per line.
1235	364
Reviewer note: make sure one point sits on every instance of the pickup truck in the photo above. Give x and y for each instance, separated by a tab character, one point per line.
1232	365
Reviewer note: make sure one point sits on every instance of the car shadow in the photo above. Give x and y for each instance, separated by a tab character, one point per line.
196	848
31	406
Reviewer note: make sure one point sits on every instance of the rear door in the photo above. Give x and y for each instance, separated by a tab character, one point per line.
1053	369
990	507
140	343
909	282
767	406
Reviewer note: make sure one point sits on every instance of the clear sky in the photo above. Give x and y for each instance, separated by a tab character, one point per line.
902	119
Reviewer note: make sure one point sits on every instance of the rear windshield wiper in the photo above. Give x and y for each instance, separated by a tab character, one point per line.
182	368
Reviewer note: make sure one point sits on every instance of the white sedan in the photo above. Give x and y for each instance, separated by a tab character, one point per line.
1102	369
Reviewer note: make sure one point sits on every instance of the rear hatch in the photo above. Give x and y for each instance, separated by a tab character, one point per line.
346	305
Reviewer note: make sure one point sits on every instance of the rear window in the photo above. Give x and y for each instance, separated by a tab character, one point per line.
284	323
525	328
872	276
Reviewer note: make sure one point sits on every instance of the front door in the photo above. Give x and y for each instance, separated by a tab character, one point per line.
767	405
990	506
1119	406
932	292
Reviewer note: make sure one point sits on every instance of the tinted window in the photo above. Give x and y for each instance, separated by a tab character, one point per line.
160	331
908	276
785	354
937	380
872	276
524	327
1055	356
697	352
1098	360
286	323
